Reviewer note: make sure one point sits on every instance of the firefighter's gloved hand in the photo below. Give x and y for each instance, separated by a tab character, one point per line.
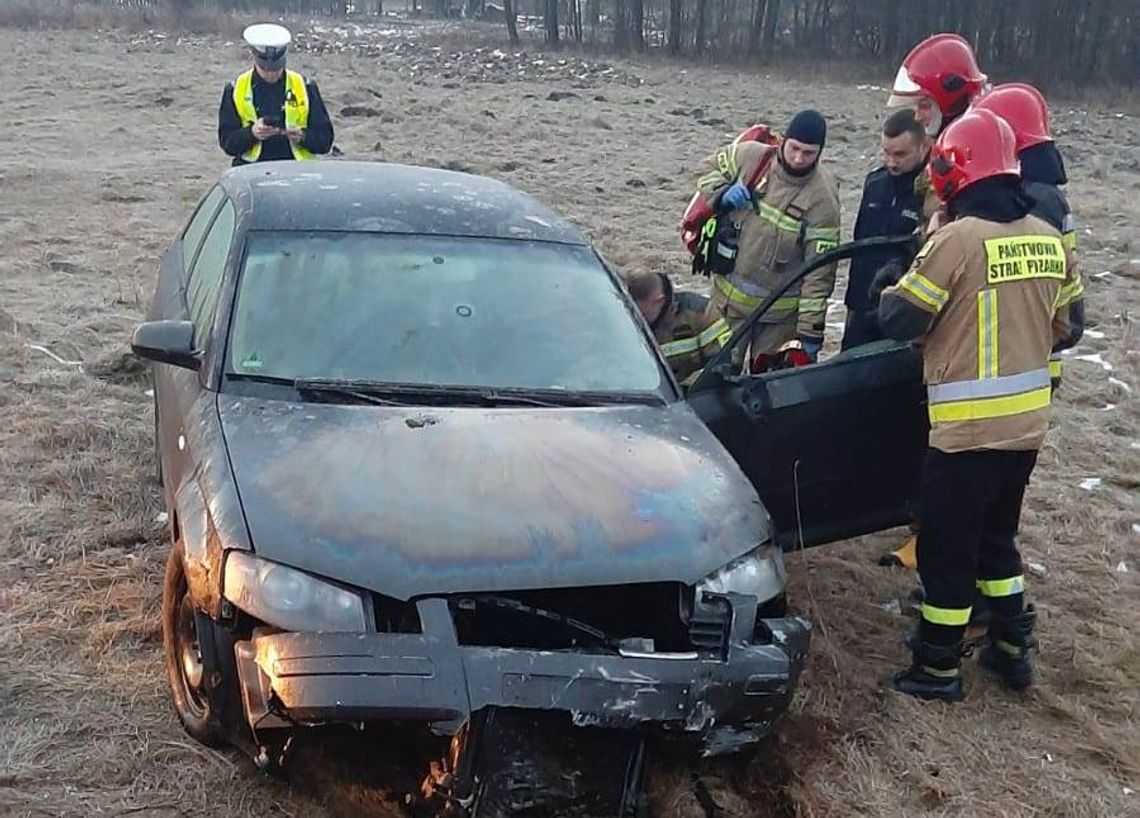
811	347
886	276
736	196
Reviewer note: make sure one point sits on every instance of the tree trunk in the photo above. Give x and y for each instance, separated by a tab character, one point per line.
771	22
675	32
550	18
702	25
512	20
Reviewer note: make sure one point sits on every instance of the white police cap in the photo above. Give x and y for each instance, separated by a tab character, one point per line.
268	42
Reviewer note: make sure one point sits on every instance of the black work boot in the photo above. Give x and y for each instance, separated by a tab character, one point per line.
1007	655
933	674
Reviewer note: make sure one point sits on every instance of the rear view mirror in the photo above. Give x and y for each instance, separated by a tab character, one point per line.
167	342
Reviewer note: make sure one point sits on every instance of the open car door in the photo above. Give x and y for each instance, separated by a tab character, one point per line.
834	449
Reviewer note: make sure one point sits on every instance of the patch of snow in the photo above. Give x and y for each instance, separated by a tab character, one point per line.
1121	567
1136	528
1094	334
1121	384
1091	483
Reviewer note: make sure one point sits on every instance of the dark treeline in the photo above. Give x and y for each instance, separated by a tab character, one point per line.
1047	40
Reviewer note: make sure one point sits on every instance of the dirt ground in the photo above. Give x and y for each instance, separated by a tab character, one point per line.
108	141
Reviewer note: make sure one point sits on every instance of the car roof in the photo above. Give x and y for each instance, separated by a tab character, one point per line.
389	198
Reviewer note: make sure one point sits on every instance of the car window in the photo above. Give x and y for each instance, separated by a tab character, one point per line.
196	229
435	310
206	277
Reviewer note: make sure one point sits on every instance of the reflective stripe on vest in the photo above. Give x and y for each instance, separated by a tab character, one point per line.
715	334
746	295
296	110
1055	365
988	334
996	397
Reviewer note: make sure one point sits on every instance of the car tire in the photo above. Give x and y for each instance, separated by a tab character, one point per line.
185	671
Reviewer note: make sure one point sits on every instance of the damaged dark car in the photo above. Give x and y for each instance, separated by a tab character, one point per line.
423	462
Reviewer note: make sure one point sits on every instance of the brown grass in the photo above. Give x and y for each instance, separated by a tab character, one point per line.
96	183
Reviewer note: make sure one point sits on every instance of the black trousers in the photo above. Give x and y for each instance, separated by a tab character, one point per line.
970	508
862	327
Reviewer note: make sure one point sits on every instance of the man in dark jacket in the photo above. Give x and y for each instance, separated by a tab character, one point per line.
892	205
270	112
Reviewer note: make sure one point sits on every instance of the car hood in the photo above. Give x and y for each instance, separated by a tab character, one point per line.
409	502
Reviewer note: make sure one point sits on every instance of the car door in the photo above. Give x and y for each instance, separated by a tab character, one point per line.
181	388
834	449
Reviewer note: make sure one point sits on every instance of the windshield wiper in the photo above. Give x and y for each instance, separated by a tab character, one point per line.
457	394
332	388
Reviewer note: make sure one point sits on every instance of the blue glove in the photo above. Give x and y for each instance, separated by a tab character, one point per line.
736	196
811	347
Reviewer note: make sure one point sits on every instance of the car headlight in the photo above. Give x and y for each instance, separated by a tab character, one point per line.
290	599
759	573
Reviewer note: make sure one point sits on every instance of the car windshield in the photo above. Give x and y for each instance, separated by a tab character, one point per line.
435	311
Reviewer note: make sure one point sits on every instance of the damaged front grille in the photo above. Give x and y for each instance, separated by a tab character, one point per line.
648	617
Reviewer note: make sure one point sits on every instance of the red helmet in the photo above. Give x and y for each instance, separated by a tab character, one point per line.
978	145
1024	108
943	68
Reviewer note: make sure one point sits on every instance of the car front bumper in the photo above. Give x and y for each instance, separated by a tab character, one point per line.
725	702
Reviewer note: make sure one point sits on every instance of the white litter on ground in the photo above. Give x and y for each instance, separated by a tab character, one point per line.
1091	483
892	607
161	518
1105	274
1136	528
1121	568
1095	359
1121	384
1096	335
1036	568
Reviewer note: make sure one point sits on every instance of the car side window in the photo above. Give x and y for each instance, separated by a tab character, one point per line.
209	268
196	229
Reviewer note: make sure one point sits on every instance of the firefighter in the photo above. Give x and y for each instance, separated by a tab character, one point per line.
678	322
1043	173
891	206
986	300
270	112
938	79
780	209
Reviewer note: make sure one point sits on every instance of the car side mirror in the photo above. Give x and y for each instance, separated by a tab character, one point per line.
167	342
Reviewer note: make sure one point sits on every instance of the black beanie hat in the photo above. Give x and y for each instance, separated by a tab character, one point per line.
808	127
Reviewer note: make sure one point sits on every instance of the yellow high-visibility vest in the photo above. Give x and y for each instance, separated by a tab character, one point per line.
296	110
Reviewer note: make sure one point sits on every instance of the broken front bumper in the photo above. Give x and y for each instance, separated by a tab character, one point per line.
727	701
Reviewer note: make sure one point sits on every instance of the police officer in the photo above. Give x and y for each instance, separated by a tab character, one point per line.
891	206
981	298
786	216
270	112
1043	172
678	321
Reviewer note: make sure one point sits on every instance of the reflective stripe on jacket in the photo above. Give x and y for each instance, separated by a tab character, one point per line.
999	296
296	110
687	337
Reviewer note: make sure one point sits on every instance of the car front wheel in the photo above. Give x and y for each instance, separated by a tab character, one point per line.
182	655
